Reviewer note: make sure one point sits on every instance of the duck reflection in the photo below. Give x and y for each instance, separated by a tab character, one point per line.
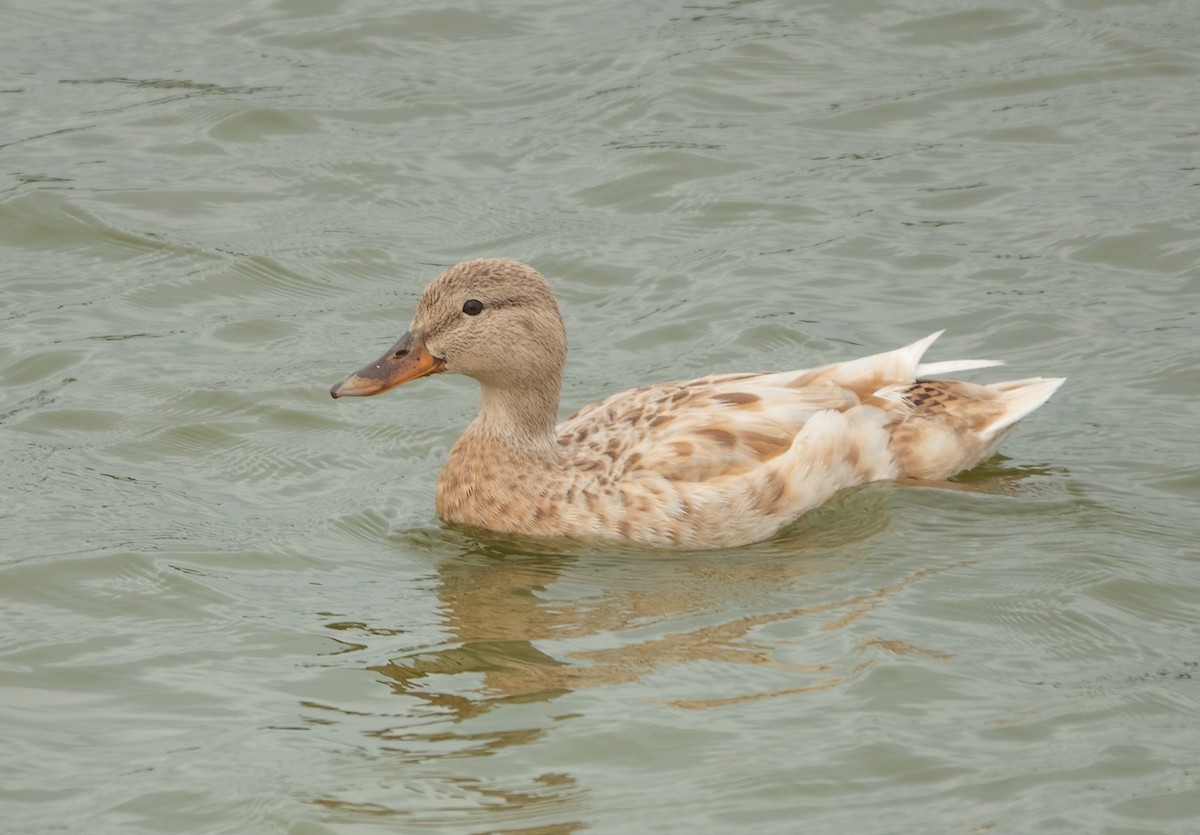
533	621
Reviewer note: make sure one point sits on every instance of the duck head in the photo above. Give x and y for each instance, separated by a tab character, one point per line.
492	319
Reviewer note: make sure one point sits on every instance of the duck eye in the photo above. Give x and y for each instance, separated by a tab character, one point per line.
473	307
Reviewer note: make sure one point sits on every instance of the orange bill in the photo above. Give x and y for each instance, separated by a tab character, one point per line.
406	360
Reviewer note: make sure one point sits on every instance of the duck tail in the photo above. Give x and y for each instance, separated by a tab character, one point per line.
1020	397
904	365
926	370
889	368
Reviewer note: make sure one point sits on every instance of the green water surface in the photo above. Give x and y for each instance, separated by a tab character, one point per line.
226	604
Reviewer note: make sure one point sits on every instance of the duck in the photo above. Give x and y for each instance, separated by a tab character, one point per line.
716	462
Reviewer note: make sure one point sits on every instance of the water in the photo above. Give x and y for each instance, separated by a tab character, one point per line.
227	603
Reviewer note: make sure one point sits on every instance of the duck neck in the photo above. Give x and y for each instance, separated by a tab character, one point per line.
522	419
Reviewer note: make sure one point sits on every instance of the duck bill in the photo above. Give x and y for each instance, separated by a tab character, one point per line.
407	360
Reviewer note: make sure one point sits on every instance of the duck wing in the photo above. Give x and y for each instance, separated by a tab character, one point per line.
728	424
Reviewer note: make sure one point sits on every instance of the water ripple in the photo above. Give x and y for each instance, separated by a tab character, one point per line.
228	601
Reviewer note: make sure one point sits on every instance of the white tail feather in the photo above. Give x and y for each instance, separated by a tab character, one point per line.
928	369
912	354
899	365
1020	397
